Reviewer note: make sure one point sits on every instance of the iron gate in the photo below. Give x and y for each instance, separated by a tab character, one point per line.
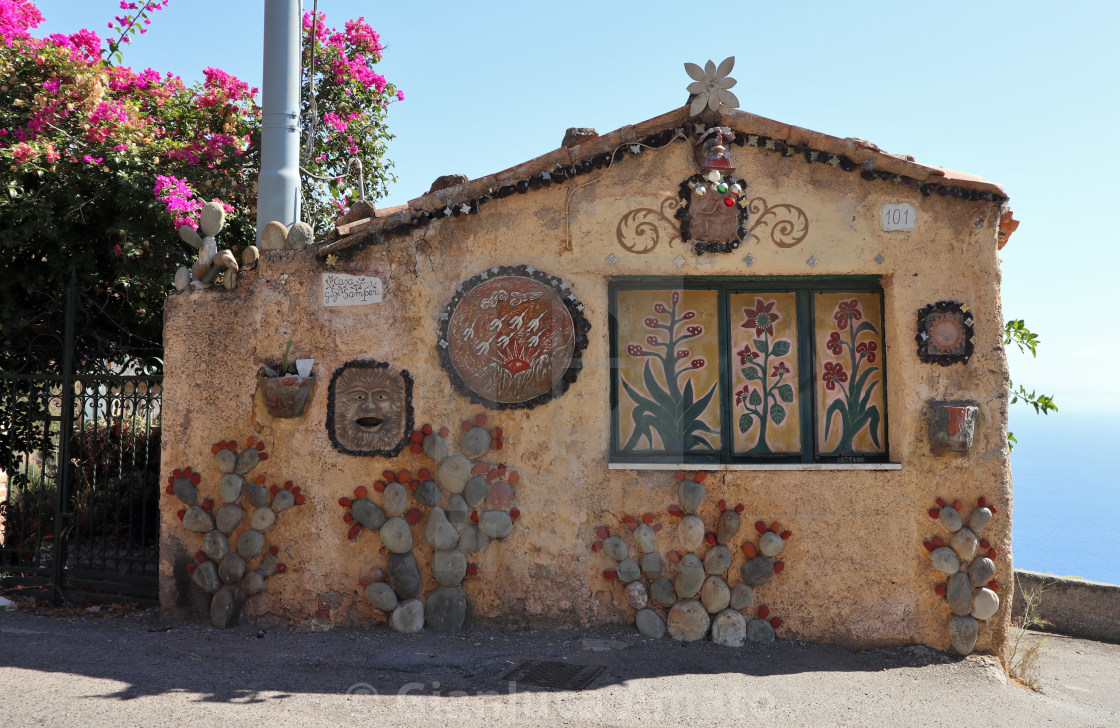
79	451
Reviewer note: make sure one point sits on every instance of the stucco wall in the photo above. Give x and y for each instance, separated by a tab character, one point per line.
856	571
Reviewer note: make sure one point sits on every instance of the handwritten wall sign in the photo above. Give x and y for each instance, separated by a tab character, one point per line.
340	289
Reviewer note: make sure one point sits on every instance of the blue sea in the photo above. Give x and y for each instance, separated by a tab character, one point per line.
1067	493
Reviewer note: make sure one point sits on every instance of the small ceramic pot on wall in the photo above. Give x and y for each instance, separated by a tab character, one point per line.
952	426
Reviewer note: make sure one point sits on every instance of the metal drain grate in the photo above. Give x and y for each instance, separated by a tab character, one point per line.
558	675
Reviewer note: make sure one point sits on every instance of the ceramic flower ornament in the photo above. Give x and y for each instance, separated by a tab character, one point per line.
710	85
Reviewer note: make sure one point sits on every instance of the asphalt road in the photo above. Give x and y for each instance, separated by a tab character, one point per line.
136	670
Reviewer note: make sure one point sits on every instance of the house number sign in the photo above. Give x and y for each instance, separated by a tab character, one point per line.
901	216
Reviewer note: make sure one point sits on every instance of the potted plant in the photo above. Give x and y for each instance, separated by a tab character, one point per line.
285	387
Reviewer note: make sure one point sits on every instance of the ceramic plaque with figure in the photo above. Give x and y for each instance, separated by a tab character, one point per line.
369	409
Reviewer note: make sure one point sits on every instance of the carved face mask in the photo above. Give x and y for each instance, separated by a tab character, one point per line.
371	410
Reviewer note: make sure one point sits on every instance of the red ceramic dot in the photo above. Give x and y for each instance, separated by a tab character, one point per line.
354	531
170	490
190	567
993	585
177	473
676	511
417	437
610	574
264	456
776	527
992	509
416	448
414	484
513	478
647	518
259	480
413	516
251	442
365	579
360	492
207	505
515	513
492	475
941	502
934	513
786	535
199	556
776	622
273	550
602	532
984	543
281	568
992	554
629	522
597	546
928	545
679	475
444	432
722	505
740	508
673	556
480	419
941	589
480	468
288	485
465	425
710	538
502	468
495	444
214	449
472	569
749	550
657	527
424	474
274	489
379	486
300	499
760	527
938	542
981	501
474	516
763	612
347	518
699	477
426	429
186	472
778	566
196	479
259	445
498	433
345	502
404	476
958	505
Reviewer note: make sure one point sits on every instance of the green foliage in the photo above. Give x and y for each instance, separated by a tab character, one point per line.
1016	332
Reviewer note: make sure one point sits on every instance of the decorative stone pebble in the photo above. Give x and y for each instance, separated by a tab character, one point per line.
500	495
274	236
741	596
283	500
408	617
206	576
646	538
476	490
979	519
729	628
215	545
495	524
637	595
661	591
454	471
368	513
394	500
228	516
727	527
198	520
190	236
396	535
247	460
759	630
690	576
985	604
981	571
449	567
628	571
182	278
950	519
267	566
212	218
446	609
471	540
252	583
232	568
714	595
770	544
959	593
255	495
688	621
226	460
381	596
186	492
690	532
945	560
965	544
474	442
230	487
458	512
226	606
427	493
757	571
250	543
963	632
691	495
250	256
263	518
651	566
403	575
438	532
300	236
650	623
435	447
717	560
616	548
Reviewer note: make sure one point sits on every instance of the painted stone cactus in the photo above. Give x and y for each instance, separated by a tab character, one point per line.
468	502
513	337
369	409
233	561
686	594
968	563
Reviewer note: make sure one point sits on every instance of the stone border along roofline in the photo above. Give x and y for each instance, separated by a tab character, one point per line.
593	153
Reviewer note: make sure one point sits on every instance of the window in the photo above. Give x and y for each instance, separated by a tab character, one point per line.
747	370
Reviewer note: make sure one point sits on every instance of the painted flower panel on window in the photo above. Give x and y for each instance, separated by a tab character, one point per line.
668	371
766	416
849	370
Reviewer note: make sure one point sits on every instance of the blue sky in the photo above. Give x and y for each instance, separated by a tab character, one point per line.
1022	93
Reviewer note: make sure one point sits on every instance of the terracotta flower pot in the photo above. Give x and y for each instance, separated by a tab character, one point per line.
285	397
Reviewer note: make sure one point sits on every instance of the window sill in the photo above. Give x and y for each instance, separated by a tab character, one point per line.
712	467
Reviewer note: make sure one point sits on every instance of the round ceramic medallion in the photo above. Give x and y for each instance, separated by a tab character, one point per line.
946	333
512	337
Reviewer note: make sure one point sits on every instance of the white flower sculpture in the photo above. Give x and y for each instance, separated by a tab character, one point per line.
710	85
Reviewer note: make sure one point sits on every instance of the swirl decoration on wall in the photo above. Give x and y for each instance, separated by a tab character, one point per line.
640	230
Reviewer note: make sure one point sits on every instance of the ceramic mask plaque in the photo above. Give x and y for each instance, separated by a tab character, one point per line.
369	409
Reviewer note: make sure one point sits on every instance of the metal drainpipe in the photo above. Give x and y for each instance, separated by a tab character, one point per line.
278	184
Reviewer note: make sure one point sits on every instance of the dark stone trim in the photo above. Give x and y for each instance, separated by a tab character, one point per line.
945	359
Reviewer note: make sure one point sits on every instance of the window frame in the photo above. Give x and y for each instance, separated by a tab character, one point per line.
804	288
